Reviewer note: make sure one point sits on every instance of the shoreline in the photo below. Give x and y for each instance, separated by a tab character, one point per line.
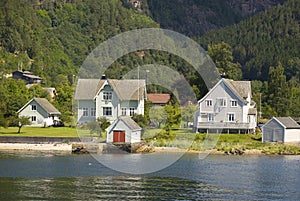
67	147
36	147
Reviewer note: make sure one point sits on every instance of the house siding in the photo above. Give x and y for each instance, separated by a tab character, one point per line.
39	113
273	131
228	117
221	113
130	136
292	135
89	104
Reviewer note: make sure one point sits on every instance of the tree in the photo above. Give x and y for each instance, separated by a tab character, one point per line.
221	54
187	113
173	116
19	121
278	91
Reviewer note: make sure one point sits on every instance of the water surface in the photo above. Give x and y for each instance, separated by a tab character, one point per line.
57	176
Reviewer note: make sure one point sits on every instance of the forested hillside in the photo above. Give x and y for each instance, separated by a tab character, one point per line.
196	17
52	38
267	47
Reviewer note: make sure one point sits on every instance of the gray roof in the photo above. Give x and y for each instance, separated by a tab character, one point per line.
87	89
130	122
252	111
288	122
241	88
128	89
45	104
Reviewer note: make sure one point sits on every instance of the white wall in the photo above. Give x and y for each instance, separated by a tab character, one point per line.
292	135
85	104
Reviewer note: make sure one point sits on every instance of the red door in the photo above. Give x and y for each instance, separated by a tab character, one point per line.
119	136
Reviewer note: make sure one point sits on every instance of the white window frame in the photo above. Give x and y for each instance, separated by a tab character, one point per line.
131	111
33	118
231	117
123	111
210	117
107	95
93	112
222	102
233	103
85	111
107	111
208	103
33	107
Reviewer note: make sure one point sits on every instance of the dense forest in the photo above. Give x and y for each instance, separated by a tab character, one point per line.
52	38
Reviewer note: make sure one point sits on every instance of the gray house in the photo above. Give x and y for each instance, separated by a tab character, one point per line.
40	111
124	130
281	129
227	108
109	98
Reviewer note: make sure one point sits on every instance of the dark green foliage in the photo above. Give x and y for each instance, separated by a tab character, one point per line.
141	120
262	40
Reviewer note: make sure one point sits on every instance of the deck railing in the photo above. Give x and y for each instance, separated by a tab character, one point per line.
223	125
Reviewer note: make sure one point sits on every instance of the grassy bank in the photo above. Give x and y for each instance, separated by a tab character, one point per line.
39	132
186	139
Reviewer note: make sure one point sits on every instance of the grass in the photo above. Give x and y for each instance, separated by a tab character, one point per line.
187	139
39	132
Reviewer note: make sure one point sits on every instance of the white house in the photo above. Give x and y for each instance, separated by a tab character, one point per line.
109	98
281	129
228	108
124	130
40	111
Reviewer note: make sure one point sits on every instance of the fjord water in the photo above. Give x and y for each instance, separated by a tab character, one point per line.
57	176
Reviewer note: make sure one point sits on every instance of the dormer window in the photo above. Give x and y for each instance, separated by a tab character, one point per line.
107	95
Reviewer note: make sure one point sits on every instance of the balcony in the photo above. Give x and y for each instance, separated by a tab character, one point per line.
223	125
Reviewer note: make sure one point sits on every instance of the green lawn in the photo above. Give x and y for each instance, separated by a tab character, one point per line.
40	132
187	139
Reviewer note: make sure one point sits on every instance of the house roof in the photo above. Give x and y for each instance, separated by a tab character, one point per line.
241	88
159	98
252	111
128	121
44	103
87	89
288	122
129	89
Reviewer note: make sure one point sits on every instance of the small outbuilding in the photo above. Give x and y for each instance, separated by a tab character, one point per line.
40	111
124	130
281	129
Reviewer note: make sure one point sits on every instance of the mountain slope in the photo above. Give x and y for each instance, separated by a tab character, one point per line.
195	17
263	40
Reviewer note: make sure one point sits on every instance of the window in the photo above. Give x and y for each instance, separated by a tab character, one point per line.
107	95
131	111
107	111
33	118
33	107
222	102
93	112
85	112
233	103
123	111
231	117
211	117
208	103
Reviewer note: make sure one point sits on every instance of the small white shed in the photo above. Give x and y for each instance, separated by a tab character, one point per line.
281	129
124	130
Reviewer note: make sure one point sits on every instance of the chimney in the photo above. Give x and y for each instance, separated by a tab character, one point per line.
103	77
